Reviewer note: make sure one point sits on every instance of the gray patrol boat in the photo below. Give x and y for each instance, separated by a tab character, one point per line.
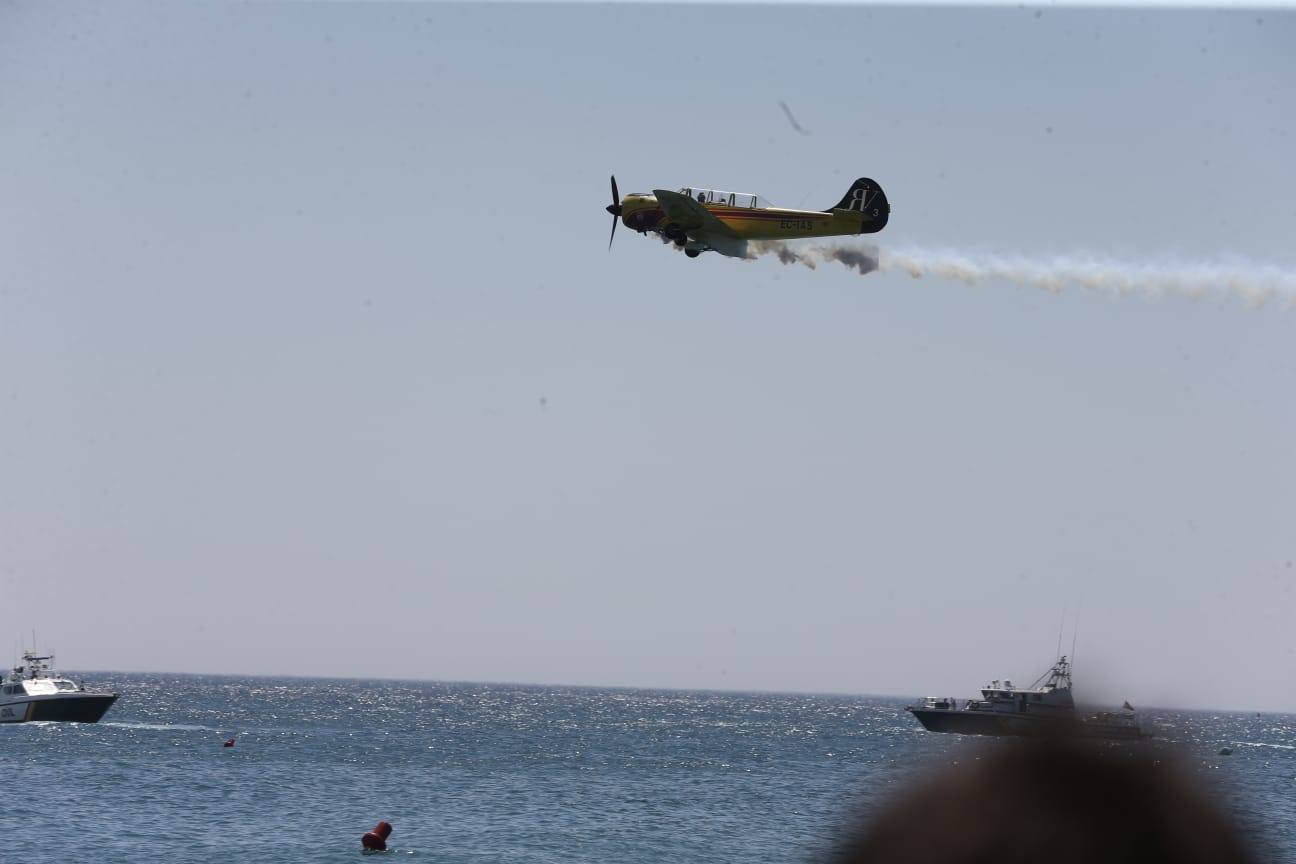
1044	708
34	691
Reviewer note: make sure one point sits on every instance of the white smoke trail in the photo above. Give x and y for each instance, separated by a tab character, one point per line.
1255	283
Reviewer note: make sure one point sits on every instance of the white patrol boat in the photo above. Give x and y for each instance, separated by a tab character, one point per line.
1044	708
34	691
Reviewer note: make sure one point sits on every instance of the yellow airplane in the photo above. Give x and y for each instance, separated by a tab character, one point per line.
702	220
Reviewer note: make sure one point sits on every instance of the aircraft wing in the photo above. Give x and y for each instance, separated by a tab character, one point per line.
690	215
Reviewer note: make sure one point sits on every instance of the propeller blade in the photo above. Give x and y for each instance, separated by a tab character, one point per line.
614	221
616	199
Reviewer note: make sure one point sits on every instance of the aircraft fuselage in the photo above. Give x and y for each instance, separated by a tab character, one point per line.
643	213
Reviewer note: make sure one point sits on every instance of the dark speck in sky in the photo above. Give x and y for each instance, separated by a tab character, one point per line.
795	125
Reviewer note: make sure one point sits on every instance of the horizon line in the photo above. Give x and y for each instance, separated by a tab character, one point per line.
748	691
1144	5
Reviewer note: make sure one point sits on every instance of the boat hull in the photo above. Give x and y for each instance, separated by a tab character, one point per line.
73	708
966	722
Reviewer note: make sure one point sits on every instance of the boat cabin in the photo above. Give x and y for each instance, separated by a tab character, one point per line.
1050	695
35	676
39	686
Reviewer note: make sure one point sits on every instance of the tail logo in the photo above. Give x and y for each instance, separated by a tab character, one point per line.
866	198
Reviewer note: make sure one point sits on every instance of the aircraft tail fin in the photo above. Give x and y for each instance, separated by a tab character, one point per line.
866	197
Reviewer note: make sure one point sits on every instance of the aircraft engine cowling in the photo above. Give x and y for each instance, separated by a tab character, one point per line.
640	212
642	219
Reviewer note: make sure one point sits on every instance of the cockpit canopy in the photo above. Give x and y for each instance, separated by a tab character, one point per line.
727	199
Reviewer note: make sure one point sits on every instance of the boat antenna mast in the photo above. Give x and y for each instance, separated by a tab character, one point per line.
1061	630
1075	634
1058	675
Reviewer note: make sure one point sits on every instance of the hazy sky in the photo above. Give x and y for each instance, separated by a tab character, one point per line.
313	360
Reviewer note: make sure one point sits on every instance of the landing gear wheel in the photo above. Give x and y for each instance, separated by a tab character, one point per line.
692	253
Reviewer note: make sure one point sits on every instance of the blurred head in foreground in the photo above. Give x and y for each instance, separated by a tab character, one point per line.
1051	802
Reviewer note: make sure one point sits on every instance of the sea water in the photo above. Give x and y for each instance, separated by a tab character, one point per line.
478	773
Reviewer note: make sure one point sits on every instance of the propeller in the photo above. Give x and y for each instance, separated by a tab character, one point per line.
615	209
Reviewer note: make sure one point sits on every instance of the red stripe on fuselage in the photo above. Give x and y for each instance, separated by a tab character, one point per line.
741	213
772	216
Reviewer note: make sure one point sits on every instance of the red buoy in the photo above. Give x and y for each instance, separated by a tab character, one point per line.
229	742
377	838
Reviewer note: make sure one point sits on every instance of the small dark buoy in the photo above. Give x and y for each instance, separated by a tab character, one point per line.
229	742
377	838
1226	751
